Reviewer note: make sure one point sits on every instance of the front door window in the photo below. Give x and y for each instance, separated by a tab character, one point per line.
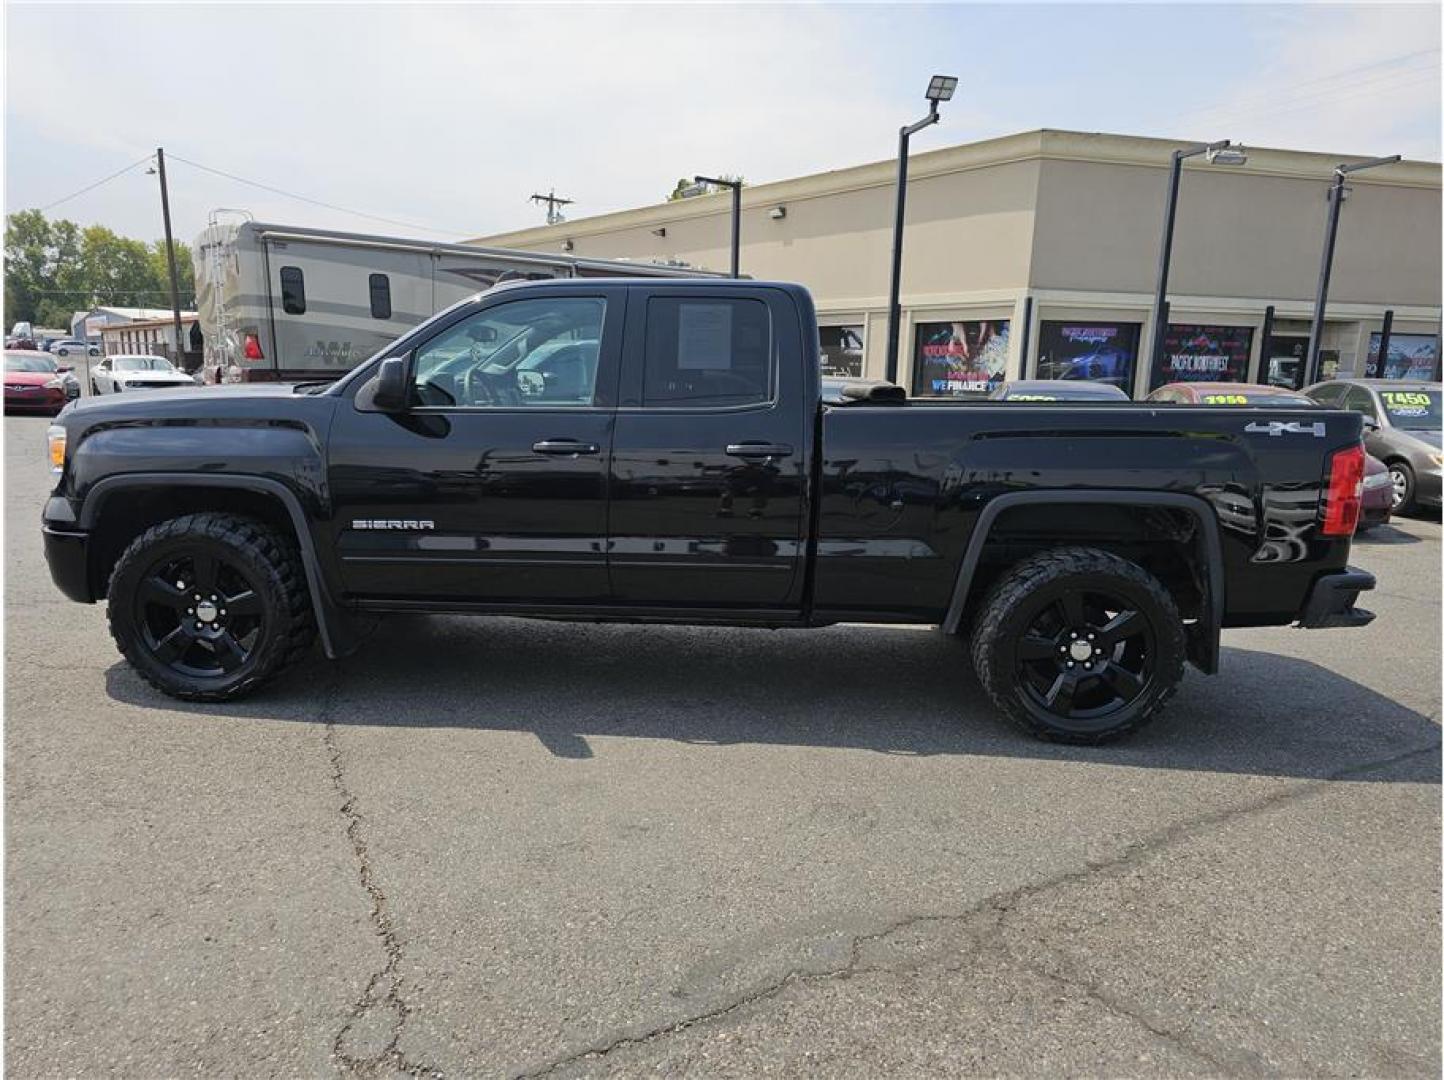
538	353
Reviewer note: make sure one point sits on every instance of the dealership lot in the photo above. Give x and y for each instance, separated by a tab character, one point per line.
511	848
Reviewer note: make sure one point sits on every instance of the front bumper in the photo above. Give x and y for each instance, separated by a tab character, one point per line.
1427	487
67	551
1331	600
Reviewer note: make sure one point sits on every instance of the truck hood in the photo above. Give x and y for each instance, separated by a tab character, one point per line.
187	392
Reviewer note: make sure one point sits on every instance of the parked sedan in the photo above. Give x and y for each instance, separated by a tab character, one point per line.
1057	390
1227	393
67	347
34	382
1377	505
117	373
1401	428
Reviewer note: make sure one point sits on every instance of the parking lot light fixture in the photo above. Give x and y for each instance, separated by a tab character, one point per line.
736	186
940	89
1222	152
1337	193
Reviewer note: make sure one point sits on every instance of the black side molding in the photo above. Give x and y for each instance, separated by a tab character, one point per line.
1331	600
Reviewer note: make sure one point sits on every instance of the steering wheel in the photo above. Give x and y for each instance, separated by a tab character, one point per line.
479	390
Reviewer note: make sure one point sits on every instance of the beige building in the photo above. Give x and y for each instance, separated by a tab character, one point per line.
1035	255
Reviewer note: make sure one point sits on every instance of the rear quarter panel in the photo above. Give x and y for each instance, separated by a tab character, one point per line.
902	489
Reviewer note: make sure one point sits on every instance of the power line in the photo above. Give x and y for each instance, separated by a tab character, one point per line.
313	202
92	187
1311	86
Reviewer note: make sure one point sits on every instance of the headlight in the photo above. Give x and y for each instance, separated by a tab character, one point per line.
55	441
1437	459
56	383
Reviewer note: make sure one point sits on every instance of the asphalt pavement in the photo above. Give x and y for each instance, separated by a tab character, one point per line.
502	848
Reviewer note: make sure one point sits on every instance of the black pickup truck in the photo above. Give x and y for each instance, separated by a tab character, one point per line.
665	451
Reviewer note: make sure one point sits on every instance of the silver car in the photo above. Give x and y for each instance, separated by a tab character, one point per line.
1401	429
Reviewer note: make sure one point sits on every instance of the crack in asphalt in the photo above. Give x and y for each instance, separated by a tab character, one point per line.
1000	905
383	989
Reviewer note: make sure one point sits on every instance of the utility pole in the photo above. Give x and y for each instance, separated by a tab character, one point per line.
553	201
170	259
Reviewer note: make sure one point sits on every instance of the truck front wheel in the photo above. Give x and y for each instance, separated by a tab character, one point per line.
1079	645
208	606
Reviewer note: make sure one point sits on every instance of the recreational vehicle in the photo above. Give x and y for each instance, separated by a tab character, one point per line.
289	303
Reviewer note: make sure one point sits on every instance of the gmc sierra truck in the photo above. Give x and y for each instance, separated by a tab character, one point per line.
665	451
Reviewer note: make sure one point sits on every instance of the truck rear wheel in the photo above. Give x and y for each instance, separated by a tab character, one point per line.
1079	645
208	606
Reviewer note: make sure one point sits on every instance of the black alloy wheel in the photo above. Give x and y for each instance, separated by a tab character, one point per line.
198	614
1085	656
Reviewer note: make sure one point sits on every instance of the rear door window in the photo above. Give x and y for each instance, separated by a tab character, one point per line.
708	352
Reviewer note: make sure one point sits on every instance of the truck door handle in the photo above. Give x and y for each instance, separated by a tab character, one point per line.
758	449
564	447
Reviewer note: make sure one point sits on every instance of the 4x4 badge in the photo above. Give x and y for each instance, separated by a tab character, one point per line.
1287	427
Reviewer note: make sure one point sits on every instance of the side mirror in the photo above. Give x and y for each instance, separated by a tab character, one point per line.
62	367
391	387
1370	424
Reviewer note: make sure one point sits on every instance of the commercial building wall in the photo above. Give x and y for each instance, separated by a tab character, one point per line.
1051	226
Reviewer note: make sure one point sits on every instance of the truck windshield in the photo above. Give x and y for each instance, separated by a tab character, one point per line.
1412	410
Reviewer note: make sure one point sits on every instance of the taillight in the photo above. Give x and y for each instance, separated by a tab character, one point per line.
252	350
1344	488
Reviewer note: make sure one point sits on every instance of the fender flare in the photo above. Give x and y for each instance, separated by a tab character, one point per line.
332	622
1201	512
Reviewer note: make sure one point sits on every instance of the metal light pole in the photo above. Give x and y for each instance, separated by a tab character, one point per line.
1337	193
1218	153
736	186
170	258
940	88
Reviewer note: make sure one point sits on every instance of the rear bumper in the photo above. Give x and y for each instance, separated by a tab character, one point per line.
67	554
1331	601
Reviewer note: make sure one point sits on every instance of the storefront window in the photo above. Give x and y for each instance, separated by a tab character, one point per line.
1411	356
956	359
1194	353
1284	365
1096	351
841	351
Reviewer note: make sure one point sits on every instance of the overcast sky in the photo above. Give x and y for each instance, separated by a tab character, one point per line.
448	117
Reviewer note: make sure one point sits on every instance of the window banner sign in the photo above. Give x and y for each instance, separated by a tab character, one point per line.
1203	354
1411	356
841	351
1099	352
955	359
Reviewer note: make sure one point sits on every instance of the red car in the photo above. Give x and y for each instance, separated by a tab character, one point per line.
36	383
1378	499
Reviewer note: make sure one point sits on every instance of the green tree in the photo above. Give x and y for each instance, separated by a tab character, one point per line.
28	264
55	268
681	190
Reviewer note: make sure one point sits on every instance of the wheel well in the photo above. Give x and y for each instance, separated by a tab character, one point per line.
127	513
1165	541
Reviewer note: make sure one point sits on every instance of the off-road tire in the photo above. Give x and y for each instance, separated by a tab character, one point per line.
1004	617
271	563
